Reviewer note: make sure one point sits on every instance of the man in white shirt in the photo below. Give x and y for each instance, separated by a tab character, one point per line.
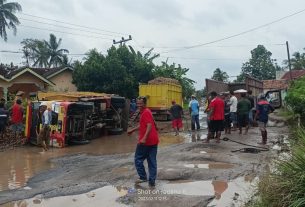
233	109
44	134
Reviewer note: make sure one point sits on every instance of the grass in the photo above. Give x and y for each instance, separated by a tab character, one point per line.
286	113
285	186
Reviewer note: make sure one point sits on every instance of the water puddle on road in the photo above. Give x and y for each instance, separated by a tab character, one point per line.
105	196
20	164
226	193
210	165
194	136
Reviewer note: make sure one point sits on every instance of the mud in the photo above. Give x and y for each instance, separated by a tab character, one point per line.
65	177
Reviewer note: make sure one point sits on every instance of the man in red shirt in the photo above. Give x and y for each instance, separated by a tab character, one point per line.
17	117
147	144
216	117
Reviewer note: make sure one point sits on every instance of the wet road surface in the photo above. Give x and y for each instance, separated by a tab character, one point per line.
193	174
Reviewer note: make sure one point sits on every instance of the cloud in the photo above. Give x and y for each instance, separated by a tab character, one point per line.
170	23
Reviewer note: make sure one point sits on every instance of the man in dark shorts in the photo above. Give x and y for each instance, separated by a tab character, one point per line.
243	108
263	108
176	115
216	117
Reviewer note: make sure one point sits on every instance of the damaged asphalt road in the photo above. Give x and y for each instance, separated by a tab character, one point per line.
190	161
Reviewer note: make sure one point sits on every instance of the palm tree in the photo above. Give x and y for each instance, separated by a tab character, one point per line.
8	20
44	53
57	56
220	75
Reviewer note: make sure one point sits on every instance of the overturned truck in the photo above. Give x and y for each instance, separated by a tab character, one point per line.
78	117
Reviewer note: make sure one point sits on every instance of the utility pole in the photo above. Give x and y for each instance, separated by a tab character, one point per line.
122	41
289	63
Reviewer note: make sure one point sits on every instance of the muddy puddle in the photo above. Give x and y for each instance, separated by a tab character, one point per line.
209	165
20	164
227	193
105	196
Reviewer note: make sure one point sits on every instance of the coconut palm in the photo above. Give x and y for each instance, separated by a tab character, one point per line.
42	53
57	56
8	20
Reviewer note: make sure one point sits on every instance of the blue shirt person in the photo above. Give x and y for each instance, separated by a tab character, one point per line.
194	111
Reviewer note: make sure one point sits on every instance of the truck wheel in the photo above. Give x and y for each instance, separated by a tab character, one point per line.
118	105
115	131
78	142
118	102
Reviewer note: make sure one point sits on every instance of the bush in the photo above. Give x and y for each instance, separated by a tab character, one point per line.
285	187
295	98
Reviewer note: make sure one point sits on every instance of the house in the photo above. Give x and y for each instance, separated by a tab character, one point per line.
35	79
295	74
269	85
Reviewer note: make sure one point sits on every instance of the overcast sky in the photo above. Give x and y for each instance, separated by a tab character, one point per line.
168	26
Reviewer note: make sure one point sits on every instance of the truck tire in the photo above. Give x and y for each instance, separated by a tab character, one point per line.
78	142
118	102
115	131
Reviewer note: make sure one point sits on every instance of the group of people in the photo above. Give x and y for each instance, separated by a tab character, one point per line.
12	117
225	111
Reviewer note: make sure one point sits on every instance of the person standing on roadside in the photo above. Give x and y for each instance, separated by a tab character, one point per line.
216	117
44	134
17	117
147	146
233	109
227	121
243	108
133	106
251	99
194	112
263	108
3	118
176	115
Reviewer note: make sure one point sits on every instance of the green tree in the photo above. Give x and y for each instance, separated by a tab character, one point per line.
57	55
120	71
178	73
260	65
220	75
8	20
295	98
297	61
42	53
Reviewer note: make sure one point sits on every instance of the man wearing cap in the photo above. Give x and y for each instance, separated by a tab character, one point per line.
176	115
44	134
194	111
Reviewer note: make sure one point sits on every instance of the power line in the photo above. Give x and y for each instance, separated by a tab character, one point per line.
20	52
76	25
235	35
215	46
170	57
45	29
45	23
